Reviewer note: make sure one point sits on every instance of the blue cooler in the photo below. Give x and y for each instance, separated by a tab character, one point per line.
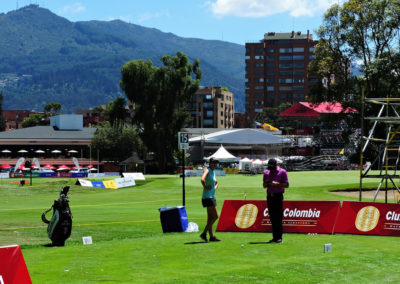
173	219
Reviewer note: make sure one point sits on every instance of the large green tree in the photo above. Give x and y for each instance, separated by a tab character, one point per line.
159	95
116	143
365	32
116	112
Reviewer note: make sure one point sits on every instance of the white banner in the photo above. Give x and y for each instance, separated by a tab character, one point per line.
4	175
125	182
84	182
136	176
19	162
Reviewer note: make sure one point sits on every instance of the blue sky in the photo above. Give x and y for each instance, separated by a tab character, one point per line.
237	21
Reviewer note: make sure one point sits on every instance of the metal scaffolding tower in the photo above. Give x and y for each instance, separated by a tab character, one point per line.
386	163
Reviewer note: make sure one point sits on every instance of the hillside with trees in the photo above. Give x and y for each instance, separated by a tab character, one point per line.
46	58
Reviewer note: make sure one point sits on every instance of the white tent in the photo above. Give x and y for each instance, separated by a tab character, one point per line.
245	164
223	155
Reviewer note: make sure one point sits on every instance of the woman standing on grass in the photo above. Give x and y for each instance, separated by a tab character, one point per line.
210	185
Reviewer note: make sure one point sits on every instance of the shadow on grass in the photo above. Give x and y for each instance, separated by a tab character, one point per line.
195	243
259	243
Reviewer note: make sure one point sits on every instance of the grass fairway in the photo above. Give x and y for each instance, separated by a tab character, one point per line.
129	246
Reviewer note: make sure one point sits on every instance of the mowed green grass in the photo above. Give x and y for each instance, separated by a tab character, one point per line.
129	246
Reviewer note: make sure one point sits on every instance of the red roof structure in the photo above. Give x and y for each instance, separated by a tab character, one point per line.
315	110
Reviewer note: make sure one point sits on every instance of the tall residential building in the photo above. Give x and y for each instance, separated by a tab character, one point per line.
212	107
276	70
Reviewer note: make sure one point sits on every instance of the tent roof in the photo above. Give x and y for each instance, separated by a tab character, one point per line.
223	155
245	136
315	110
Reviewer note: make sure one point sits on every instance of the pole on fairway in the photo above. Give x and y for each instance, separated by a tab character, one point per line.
183	177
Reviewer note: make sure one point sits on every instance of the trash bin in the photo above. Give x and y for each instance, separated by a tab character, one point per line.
173	219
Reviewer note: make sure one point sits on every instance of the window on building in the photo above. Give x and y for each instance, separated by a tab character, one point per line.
259	51
285	57
270	50
208	96
259	95
313	80
259	80
298	57
258	110
285	88
258	72
270	58
247	57
298	96
285	73
208	122
312	57
298	65
258	87
285	65
270	96
282	96
248	50
312	49
298	87
258	65
209	113
285	50
270	73
270	88
247	80
298	49
259	57
208	105
285	80
298	72
298	80
269	80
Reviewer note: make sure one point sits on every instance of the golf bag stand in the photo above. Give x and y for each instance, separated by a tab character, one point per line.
60	226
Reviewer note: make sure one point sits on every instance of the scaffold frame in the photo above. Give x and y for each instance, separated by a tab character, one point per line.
385	162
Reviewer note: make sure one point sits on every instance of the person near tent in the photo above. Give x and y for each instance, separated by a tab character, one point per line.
275	179
210	185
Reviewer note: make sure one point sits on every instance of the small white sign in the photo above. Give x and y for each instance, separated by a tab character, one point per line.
183	140
327	247
125	182
136	176
87	240
84	182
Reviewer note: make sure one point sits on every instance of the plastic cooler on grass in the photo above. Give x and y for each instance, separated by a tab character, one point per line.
173	219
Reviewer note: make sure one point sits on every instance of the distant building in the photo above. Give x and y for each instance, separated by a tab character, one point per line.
276	70
91	117
212	107
14	118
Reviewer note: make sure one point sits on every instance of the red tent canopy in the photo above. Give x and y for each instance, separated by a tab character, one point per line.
315	110
48	166
64	167
5	166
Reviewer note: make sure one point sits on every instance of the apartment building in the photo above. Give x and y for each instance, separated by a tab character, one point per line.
212	107
276	70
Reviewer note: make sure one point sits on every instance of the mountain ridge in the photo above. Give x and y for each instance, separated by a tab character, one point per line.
46	58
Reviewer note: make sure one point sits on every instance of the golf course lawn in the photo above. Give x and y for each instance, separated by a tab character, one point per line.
130	247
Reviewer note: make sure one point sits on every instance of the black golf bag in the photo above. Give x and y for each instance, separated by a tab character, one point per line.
60	226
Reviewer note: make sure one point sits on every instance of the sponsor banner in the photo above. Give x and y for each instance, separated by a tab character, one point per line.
65	175
124	182
48	174
111	174
86	183
4	175
136	176
12	266
110	184
199	173
369	218
298	216
98	184
77	175
16	175
95	175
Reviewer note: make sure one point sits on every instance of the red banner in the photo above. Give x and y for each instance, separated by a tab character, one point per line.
298	216
369	218
12	266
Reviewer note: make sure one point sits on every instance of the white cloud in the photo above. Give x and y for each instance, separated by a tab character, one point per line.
264	8
73	9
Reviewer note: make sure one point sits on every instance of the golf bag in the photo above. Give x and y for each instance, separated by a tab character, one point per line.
60	226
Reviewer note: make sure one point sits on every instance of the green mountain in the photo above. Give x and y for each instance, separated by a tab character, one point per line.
46	58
